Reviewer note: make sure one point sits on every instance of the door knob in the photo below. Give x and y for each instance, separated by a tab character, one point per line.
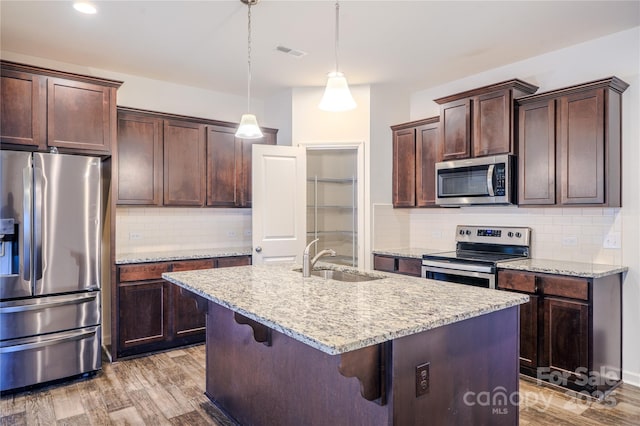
258	249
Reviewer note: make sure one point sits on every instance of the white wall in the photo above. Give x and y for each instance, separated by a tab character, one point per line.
619	55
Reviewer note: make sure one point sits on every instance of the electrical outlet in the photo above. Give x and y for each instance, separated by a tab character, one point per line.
231	234
436	234
570	241
422	379
247	232
135	236
612	240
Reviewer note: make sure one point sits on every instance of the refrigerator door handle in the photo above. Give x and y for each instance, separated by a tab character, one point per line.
37	217
42	342
27	225
75	299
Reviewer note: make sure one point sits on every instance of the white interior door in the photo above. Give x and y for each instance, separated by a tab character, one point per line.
279	203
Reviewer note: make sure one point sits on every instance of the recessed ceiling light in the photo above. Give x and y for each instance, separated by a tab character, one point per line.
84	7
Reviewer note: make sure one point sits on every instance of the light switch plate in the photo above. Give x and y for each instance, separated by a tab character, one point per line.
613	240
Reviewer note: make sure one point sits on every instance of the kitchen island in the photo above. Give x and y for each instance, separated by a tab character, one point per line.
283	349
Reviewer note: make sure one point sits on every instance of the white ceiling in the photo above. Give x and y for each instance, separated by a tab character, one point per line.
204	43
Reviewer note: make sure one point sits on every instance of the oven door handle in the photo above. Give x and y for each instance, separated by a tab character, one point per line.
454	268
458	272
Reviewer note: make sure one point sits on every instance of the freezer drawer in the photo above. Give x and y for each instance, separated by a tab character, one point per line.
40	359
29	317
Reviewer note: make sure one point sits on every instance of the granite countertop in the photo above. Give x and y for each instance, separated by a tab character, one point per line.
337	317
161	256
561	267
414	252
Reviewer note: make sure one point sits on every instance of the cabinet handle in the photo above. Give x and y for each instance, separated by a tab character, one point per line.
258	249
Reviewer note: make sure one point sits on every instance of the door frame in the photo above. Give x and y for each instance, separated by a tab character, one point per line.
359	146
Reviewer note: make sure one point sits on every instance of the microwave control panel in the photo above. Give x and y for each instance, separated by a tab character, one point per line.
499	176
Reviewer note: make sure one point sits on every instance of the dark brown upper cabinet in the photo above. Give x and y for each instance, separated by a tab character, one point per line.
570	145
23	99
43	108
139	159
480	122
184	163
416	149
172	160
229	166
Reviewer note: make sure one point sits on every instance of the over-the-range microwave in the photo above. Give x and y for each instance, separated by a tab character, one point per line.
483	180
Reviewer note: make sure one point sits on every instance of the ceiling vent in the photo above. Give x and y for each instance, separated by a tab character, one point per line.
290	51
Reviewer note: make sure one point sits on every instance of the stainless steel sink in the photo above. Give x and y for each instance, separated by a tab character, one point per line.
331	274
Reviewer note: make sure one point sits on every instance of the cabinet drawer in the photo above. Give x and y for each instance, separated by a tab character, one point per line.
225	262
574	288
519	281
384	263
410	266
143	272
190	265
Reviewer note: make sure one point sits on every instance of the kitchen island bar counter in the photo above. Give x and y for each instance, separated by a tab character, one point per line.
286	350
337	317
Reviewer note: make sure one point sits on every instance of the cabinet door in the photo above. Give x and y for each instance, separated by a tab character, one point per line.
142	313
404	168
455	129
23	109
529	332
243	167
537	153
187	319
184	163
492	118
221	167
139	160
582	162
566	336
79	115
428	153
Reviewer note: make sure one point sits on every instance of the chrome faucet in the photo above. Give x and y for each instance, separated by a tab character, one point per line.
307	262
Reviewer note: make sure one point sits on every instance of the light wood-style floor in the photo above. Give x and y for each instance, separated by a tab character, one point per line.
168	389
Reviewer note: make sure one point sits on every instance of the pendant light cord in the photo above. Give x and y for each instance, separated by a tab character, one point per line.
249	57
337	34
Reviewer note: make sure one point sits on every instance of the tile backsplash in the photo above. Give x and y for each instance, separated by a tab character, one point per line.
572	234
143	229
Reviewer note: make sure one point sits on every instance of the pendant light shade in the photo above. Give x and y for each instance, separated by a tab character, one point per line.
337	96
248	128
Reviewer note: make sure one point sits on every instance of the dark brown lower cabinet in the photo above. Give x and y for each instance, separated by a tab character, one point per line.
570	330
142	313
154	314
399	265
566	337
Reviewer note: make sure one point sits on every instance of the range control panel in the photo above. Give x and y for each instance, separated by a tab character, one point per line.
507	235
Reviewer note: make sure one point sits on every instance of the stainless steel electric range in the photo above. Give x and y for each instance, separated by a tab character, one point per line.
478	250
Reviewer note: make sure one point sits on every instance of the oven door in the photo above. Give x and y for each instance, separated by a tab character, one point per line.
484	279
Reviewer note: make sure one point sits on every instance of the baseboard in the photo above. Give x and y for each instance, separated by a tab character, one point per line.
631	378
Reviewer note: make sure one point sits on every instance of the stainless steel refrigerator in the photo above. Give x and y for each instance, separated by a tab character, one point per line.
50	237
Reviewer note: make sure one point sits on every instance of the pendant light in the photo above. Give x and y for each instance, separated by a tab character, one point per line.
337	96
248	128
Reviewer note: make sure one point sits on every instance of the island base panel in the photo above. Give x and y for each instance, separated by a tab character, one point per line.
287	383
473	376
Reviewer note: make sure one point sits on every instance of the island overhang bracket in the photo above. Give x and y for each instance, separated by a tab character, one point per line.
368	365
261	333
